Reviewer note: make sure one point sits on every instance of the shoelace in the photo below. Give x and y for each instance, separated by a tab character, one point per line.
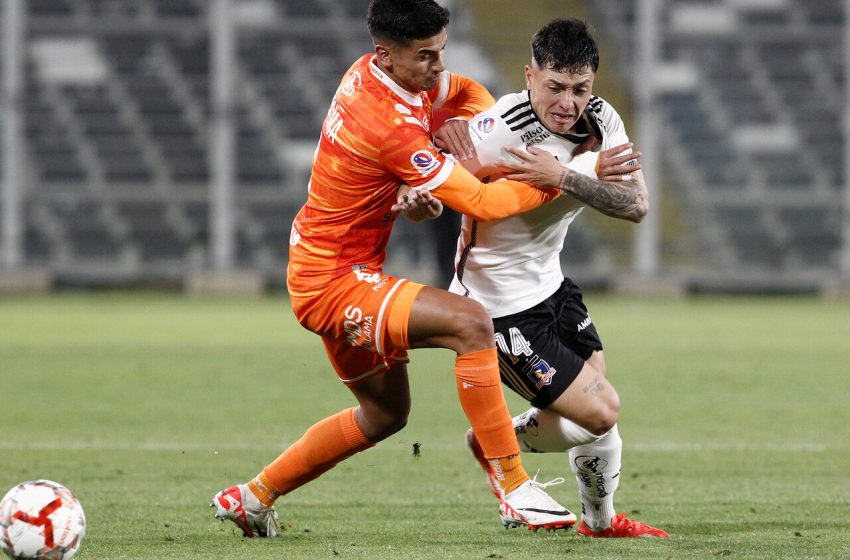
545	485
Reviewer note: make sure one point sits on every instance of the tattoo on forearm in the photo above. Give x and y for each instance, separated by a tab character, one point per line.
620	200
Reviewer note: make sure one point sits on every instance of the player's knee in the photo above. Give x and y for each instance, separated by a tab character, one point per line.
605	415
386	426
380	422
474	328
392	427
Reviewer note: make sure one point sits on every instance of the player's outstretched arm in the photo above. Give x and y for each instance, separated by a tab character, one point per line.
485	202
624	199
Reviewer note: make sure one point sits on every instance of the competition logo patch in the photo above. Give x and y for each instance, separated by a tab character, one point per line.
424	161
486	125
542	374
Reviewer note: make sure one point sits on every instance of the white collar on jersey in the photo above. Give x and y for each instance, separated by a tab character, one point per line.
409	98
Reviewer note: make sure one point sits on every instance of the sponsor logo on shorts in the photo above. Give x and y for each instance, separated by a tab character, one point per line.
424	161
541	374
374	278
486	125
358	327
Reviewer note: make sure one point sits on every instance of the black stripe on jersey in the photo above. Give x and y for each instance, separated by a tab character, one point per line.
515	108
519	117
592	111
461	264
524	124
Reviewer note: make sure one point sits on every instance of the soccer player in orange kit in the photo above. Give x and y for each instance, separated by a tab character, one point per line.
376	157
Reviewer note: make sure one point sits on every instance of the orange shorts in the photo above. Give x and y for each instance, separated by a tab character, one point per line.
362	318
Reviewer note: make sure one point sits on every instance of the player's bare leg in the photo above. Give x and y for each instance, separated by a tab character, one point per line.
590	401
384	403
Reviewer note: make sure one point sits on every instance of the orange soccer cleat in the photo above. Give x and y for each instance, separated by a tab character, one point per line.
623	528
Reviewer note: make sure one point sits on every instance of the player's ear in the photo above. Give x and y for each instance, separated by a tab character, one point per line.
383	54
527	77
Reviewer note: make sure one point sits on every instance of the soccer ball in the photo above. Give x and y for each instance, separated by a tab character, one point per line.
41	519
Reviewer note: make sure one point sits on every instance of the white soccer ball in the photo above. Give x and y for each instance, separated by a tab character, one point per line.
41	519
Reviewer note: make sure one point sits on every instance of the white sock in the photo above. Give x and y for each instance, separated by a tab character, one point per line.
597	469
544	431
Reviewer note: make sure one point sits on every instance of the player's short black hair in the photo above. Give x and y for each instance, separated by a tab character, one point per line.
404	21
565	45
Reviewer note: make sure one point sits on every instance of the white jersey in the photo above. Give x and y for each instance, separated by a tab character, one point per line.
513	264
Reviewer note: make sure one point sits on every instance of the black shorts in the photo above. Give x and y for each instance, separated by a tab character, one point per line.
542	349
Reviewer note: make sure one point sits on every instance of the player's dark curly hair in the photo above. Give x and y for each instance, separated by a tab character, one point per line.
404	21
565	45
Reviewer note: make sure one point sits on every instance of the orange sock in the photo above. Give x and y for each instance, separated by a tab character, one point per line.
262	488
483	401
509	471
325	444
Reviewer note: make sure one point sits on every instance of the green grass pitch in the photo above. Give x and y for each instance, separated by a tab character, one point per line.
735	423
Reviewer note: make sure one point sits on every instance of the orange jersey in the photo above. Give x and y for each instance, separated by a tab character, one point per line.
375	137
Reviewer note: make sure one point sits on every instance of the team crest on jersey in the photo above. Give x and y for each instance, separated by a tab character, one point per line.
353	81
541	374
424	161
486	125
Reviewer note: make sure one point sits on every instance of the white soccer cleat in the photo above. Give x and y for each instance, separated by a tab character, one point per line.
239	505
531	506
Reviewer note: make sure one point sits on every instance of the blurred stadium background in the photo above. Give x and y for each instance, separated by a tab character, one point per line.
168	142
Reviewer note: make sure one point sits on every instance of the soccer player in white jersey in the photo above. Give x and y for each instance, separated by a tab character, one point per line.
549	350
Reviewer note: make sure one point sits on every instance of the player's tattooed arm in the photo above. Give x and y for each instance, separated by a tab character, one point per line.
620	191
622	194
621	199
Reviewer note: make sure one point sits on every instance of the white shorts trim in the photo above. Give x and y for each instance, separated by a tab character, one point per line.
379	325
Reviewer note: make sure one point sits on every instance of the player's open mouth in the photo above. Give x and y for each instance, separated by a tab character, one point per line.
561	119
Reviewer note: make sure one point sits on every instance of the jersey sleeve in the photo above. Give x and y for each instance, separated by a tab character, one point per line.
490	134
459	96
408	153
485	202
615	130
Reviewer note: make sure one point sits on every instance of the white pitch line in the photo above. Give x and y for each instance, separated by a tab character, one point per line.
124	446
676	447
638	447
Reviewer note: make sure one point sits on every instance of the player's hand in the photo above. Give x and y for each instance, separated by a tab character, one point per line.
453	137
613	167
536	167
417	205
